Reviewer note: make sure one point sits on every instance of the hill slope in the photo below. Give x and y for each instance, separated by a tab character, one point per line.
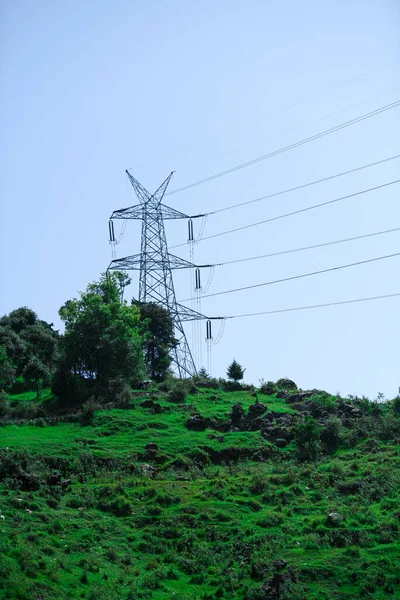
212	497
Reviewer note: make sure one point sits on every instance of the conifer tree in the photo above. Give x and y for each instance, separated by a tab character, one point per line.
235	371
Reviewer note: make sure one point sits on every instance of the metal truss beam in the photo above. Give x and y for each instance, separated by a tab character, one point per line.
155	264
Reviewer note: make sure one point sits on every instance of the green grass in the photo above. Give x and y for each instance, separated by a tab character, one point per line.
212	522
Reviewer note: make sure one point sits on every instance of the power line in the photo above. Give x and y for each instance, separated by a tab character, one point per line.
261	118
304	185
291	129
291	146
295	212
351	239
293	277
283	310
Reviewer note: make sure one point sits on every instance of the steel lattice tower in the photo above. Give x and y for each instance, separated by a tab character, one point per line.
156	263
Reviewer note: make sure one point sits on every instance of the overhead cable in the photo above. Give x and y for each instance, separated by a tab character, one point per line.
296	212
263	117
290	146
304	185
351	239
284	310
293	277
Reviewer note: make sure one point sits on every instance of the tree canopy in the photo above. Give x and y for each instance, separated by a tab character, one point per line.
26	340
102	340
158	338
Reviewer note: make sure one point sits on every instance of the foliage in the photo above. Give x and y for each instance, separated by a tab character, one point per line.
36	373
307	437
7	371
132	503
235	371
30	346
102	340
286	384
158	338
331	434
268	388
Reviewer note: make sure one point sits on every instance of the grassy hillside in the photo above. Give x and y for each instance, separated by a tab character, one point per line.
201	499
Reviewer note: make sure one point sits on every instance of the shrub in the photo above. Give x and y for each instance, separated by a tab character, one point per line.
331	434
286	384
88	411
307	439
178	394
268	388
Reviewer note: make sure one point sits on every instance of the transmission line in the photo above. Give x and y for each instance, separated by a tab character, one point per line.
304	185
263	117
351	239
293	277
283	310
291	146
295	212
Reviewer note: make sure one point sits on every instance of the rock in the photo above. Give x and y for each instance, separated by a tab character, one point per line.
279	564
281	443
149	470
237	415
256	410
65	483
282	394
299	396
286	384
182	478
272	587
334	518
54	478
152	447
197	423
147	404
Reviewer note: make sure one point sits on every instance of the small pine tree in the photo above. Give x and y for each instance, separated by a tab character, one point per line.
235	371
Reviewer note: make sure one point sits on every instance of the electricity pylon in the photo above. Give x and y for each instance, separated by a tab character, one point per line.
156	263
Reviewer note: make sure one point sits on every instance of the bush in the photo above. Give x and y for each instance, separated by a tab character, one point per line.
331	434
286	384
178	394
307	439
88	411
268	388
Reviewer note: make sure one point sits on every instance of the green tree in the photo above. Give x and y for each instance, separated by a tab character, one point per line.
102	339
235	371
36	373
158	338
7	371
25	338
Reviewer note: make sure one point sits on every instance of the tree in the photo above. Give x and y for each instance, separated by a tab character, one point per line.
158	338
102	338
36	373
25	336
7	371
203	373
235	371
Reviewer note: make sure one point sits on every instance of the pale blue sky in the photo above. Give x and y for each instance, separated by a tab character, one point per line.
92	88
